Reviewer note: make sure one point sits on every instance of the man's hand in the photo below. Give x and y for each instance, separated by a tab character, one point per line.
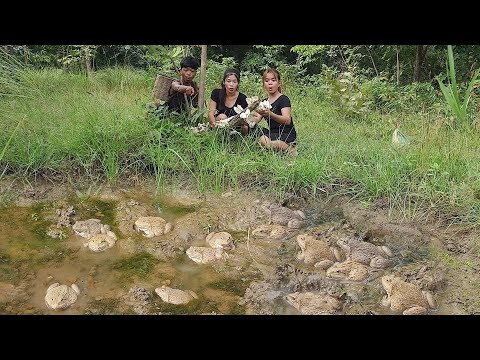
190	91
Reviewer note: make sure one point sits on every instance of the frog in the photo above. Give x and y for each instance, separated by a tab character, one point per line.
316	252
204	255
406	297
101	242
309	303
60	297
175	296
65	216
272	231
348	270
220	239
365	253
293	219
89	228
152	226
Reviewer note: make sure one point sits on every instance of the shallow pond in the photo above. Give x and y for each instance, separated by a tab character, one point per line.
253	278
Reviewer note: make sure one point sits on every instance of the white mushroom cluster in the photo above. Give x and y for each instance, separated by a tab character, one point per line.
201	127
245	113
223	123
264	105
251	100
239	109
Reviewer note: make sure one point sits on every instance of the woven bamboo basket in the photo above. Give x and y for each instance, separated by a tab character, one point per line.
161	87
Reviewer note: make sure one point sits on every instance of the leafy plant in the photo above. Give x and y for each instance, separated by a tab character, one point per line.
451	92
346	93
77	55
164	59
87	194
307	54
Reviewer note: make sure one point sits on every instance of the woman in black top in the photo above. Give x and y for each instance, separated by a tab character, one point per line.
222	101
281	133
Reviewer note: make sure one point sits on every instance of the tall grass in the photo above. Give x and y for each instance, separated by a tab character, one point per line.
98	127
81	123
5	147
14	83
16	79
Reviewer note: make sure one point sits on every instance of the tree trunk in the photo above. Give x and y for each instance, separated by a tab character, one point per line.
371	58
64	65
343	58
398	66
203	67
88	61
419	59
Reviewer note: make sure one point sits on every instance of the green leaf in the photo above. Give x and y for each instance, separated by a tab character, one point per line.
470	88
453	79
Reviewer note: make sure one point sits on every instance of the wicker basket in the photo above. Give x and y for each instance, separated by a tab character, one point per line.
161	87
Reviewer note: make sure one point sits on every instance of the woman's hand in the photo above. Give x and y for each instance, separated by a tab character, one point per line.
264	113
220	120
220	117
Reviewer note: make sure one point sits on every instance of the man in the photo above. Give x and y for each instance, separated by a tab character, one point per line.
183	93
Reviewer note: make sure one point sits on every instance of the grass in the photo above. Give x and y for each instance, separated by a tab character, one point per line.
233	286
98	127
139	265
107	306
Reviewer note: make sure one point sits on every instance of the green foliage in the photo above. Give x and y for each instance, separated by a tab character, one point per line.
262	57
292	77
15	77
249	85
38	56
388	97
215	73
164	59
368	60
308	53
79	123
184	121
119	78
346	93
451	93
75	58
88	193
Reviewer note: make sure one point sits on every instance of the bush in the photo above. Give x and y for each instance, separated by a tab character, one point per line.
388	97
346	93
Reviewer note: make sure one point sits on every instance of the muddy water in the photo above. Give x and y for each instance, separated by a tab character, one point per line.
30	260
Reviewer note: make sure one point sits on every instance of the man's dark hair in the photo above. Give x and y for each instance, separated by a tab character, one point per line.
189	61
